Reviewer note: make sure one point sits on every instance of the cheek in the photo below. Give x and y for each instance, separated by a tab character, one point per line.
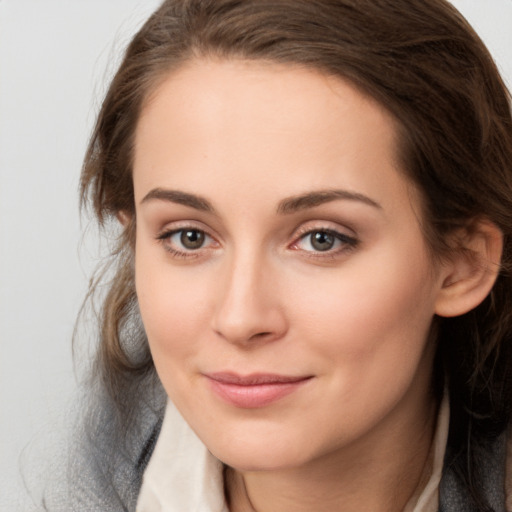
375	312
172	305
365	330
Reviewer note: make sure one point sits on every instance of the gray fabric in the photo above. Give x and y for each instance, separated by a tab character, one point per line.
491	461
90	485
102	471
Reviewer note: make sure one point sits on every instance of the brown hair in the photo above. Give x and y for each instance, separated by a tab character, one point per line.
418	58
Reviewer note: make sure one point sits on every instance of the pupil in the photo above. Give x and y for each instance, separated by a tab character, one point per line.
192	239
322	241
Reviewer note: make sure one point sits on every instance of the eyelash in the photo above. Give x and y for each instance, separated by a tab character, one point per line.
347	242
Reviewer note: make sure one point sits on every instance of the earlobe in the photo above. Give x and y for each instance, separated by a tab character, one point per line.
471	271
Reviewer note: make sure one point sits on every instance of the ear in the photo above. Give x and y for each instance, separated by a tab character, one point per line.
471	270
123	217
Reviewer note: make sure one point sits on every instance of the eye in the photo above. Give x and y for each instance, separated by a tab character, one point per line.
325	240
185	242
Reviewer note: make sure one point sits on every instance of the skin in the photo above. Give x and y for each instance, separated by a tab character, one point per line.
258	297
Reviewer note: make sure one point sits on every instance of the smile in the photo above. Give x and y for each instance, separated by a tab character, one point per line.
253	391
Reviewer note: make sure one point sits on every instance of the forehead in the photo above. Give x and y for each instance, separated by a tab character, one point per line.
218	91
259	122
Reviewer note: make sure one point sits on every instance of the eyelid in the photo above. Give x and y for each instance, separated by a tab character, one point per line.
328	226
183	224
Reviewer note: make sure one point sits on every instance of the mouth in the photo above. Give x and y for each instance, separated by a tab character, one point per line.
255	390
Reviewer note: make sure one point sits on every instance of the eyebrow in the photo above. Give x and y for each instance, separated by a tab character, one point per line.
286	206
317	198
176	196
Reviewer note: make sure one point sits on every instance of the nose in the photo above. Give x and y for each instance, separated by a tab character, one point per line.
249	308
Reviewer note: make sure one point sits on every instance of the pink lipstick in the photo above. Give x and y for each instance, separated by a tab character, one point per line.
253	391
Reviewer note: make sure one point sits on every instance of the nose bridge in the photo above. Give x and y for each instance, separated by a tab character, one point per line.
248	305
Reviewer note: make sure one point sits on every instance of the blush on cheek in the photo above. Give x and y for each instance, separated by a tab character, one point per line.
370	318
172	316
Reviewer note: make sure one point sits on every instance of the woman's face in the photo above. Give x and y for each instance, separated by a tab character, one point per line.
282	276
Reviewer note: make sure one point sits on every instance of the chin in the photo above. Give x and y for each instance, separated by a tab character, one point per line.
267	460
261	454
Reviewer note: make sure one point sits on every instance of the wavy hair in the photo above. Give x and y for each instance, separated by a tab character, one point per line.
423	62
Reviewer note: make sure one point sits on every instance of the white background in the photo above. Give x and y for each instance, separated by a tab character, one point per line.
55	60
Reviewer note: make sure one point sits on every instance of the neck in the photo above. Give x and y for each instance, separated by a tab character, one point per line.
378	473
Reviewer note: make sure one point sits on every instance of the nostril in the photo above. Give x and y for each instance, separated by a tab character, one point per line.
261	335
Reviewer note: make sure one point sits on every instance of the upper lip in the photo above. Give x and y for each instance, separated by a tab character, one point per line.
254	379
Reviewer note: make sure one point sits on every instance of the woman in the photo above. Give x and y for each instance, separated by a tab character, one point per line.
316	204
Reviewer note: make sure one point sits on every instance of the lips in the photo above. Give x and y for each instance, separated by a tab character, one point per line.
253	391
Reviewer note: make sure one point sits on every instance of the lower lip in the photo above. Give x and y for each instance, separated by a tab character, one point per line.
254	396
